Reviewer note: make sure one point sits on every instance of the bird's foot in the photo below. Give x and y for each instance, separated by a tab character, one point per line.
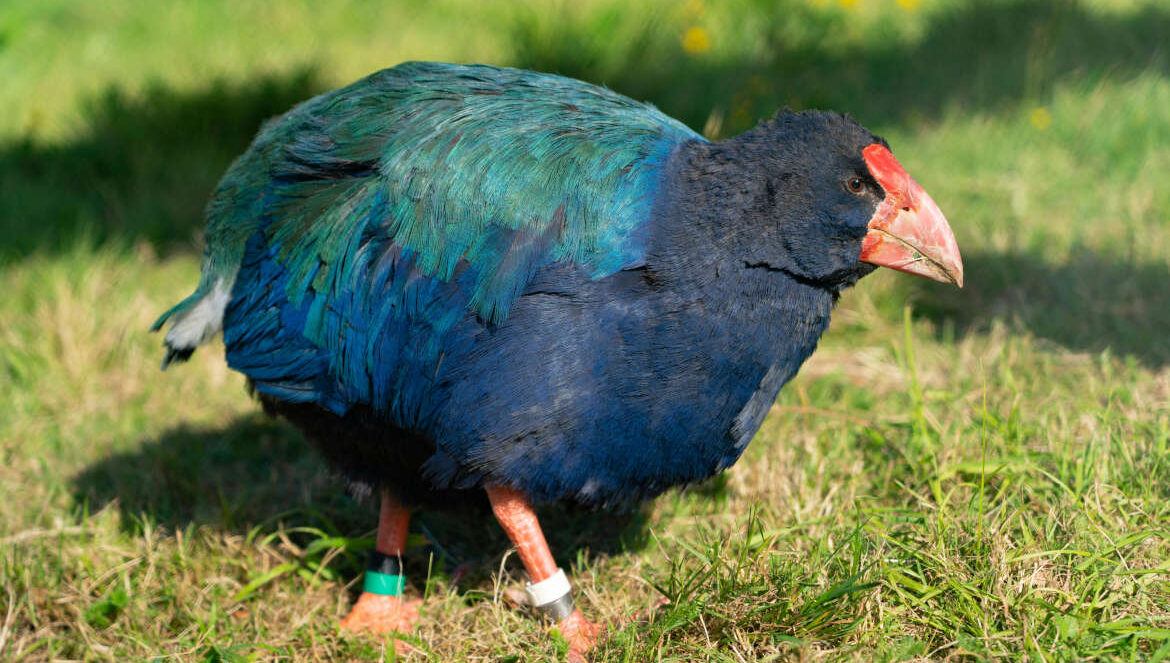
375	613
581	634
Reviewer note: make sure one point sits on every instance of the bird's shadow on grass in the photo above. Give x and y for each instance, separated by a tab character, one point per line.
258	476
1087	303
142	168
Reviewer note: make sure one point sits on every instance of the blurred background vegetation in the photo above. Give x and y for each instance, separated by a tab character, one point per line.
1042	128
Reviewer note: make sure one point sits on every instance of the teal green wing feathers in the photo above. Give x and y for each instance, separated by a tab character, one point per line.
497	171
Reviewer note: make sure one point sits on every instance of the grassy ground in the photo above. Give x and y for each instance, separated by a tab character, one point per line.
955	475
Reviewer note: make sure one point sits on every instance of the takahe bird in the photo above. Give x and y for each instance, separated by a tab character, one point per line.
454	278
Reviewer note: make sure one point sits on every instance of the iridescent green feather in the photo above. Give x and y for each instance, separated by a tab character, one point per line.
499	170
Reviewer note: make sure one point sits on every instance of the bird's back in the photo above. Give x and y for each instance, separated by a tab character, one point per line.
448	185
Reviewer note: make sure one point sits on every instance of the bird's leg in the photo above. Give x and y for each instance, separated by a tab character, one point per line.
548	589
381	608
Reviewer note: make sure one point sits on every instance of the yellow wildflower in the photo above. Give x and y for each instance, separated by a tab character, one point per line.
1041	118
848	4
909	5
696	40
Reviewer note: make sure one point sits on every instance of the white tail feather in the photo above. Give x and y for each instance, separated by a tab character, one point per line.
200	322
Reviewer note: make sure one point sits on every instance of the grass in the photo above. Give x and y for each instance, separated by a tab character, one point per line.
976	474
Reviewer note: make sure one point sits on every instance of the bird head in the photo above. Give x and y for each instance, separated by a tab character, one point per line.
834	203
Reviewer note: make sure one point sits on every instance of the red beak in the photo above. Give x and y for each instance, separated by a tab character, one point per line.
908	232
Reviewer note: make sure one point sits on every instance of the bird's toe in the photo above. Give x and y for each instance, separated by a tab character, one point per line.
581	634
375	613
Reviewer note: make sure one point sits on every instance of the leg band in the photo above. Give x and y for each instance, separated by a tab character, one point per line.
553	596
384	575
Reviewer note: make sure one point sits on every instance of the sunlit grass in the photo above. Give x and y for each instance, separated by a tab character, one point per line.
989	478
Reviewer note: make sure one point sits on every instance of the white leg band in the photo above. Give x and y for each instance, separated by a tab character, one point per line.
552	596
548	590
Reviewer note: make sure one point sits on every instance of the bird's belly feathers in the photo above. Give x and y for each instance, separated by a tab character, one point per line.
591	391
612	392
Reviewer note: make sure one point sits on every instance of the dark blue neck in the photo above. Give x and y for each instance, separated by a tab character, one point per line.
756	318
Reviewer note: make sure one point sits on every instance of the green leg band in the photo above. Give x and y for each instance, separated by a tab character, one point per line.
383	584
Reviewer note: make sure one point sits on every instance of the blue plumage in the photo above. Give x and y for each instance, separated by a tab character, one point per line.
493	276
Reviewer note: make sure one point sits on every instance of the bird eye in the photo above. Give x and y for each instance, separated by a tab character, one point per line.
856	185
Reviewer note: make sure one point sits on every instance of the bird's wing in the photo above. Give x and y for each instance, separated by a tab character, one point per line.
454	183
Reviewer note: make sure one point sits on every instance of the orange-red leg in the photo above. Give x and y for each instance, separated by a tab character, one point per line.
515	514
379	613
